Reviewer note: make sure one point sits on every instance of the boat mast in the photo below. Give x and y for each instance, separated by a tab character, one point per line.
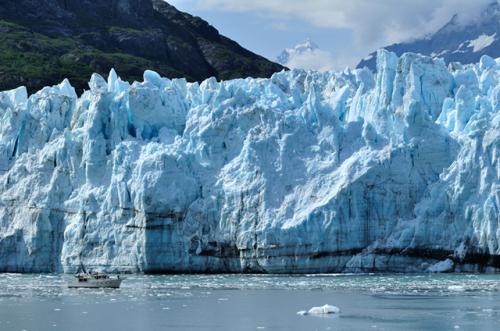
81	268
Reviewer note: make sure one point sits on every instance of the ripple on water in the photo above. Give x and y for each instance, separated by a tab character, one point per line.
17	286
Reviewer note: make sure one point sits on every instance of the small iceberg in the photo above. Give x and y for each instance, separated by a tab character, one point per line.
323	310
456	288
442	266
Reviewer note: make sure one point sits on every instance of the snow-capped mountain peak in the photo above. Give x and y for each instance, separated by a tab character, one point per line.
307	46
307	55
457	41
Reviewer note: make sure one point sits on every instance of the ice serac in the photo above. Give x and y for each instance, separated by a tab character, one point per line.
302	172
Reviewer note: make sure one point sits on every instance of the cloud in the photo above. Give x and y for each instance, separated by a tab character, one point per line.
316	59
280	26
373	23
321	60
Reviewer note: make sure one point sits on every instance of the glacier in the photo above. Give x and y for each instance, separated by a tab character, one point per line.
304	172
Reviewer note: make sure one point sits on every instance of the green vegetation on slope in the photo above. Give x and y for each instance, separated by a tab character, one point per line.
33	59
40	45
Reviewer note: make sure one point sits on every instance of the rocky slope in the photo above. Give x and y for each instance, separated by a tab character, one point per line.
456	41
44	41
302	172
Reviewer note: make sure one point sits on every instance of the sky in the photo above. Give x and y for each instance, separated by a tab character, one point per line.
345	30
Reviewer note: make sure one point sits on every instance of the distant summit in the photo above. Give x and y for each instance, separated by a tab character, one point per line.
44	41
307	46
308	56
455	42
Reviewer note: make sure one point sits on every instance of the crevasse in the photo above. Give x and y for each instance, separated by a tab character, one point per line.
302	172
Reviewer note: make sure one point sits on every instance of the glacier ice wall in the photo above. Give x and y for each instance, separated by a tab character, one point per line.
302	172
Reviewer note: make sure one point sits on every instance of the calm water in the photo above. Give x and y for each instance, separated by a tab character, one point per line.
231	302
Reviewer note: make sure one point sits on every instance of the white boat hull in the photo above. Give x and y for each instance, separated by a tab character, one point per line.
97	283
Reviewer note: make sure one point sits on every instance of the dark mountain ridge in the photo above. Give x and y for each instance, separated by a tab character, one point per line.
44	41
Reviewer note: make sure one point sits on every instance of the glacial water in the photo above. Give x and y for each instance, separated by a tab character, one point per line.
253	302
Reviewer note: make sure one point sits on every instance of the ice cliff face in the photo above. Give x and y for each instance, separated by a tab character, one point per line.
303	172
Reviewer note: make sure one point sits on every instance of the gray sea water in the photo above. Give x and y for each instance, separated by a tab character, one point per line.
253	302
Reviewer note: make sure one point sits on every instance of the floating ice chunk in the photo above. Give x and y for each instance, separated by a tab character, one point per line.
442	266
323	310
456	288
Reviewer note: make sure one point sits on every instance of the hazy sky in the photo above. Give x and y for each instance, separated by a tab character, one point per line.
347	30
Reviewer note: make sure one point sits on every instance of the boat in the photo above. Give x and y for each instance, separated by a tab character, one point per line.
86	279
95	280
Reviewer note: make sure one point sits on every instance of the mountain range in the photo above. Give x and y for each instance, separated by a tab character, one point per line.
456	41
44	41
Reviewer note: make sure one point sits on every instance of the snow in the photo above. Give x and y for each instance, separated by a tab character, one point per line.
323	310
443	52
457	40
307	46
368	58
303	172
482	42
308	56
